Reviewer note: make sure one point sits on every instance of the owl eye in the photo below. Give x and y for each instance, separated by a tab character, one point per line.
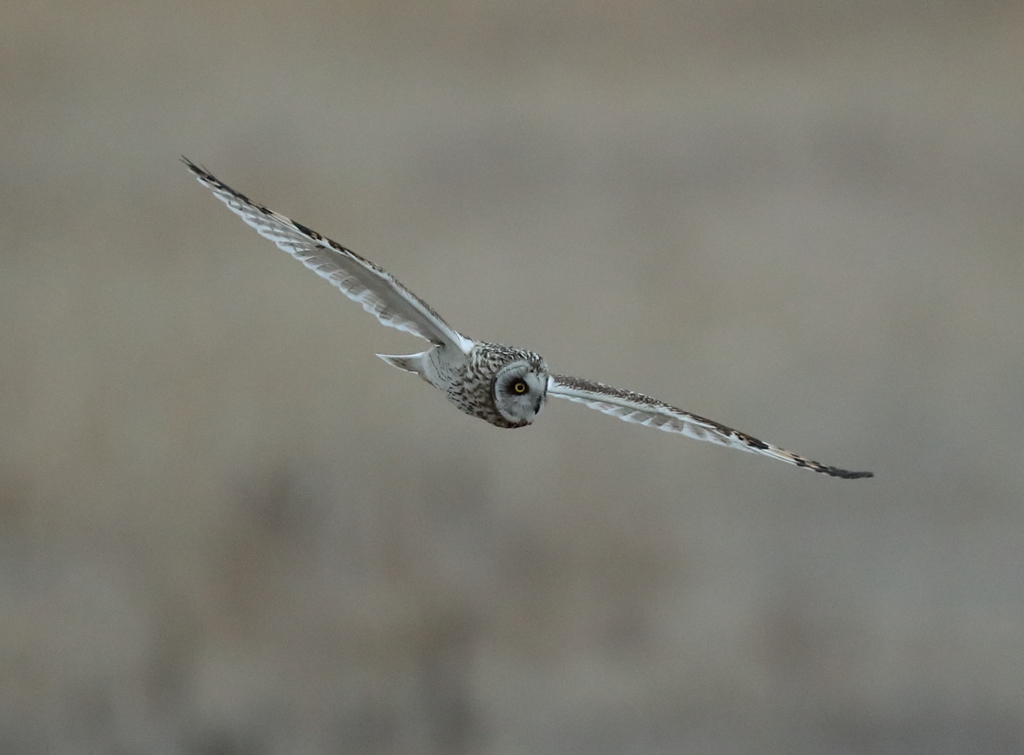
520	387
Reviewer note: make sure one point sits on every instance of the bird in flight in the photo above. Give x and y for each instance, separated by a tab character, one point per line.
503	385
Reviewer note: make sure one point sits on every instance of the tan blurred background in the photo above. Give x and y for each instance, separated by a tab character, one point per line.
227	528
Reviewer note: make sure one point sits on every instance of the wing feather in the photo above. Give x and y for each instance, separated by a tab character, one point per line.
379	292
649	412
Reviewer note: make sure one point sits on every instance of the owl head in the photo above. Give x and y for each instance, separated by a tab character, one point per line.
519	390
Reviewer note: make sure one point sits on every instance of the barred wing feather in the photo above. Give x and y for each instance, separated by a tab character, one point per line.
644	410
380	293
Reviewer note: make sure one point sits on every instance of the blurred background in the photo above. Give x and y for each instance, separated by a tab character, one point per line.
227	528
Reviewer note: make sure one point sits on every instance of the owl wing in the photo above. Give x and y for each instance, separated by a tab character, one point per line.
644	410
380	293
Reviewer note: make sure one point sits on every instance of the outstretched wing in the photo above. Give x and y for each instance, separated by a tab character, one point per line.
380	293
644	410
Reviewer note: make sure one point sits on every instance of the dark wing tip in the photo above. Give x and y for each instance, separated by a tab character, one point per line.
844	474
202	173
817	466
209	180
191	165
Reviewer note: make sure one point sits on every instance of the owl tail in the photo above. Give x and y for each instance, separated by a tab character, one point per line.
410	362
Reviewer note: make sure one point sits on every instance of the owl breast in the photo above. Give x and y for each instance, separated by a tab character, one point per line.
468	381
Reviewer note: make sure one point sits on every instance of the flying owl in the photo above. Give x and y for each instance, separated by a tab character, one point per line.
503	385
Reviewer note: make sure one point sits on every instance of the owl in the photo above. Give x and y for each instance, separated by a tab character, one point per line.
504	385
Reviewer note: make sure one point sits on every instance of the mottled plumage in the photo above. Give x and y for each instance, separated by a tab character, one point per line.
503	385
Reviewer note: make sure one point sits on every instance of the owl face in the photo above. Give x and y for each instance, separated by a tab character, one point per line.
519	389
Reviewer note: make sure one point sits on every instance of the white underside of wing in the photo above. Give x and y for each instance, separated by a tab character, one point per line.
664	419
379	292
649	412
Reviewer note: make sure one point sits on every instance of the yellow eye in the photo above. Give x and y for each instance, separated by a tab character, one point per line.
520	387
